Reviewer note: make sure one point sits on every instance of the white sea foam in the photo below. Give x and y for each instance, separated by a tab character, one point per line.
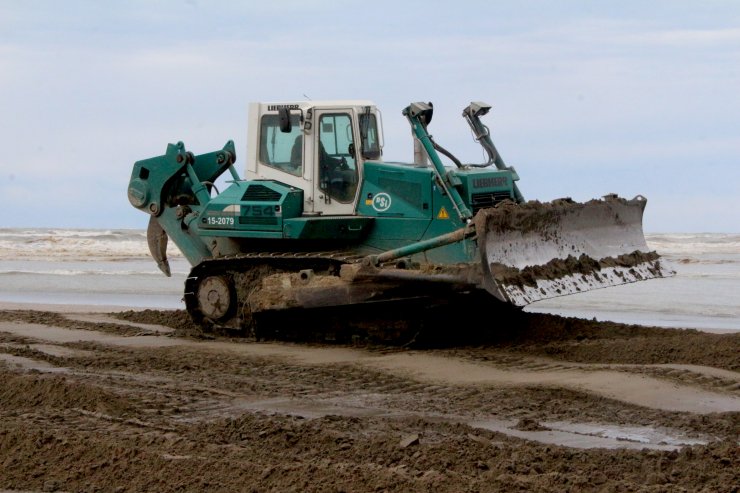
75	244
694	244
79	272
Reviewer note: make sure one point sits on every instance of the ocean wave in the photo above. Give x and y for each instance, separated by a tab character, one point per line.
95	244
75	272
76	244
704	261
44	233
694	244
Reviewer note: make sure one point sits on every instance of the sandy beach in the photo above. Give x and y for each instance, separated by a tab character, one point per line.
110	399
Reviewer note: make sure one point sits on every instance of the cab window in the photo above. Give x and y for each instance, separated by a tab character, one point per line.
337	162
281	150
369	135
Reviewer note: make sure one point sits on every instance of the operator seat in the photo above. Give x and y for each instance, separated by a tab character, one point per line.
336	176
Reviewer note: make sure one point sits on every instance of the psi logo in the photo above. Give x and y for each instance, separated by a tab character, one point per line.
382	202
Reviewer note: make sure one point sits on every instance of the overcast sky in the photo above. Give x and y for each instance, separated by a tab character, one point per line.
589	97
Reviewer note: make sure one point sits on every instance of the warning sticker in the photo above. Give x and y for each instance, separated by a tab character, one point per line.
443	214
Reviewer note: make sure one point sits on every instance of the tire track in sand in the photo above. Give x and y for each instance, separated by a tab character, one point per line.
436	369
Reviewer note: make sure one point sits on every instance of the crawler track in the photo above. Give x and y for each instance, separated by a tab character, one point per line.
241	275
217	294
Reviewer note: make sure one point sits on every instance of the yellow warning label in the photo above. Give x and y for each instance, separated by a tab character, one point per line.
443	214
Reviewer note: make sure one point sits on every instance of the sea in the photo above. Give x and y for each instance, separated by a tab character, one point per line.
113	268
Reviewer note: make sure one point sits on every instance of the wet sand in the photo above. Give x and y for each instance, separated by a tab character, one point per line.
112	399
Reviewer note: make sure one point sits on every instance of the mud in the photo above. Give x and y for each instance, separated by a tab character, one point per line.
571	266
114	402
536	216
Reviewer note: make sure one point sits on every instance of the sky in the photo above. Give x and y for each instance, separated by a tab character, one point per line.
589	97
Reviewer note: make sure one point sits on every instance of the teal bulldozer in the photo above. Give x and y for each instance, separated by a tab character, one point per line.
322	228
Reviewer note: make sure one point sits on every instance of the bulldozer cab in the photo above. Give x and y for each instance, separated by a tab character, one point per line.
317	147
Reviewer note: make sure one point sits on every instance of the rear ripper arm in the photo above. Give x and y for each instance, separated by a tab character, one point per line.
173	189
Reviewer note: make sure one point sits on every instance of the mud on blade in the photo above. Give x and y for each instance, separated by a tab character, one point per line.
534	251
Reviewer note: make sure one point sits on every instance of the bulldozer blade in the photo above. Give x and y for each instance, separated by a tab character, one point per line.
156	238
534	251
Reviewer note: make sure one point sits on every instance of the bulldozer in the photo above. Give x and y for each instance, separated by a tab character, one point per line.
322	232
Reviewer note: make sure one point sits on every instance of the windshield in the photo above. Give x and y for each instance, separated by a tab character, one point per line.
281	150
